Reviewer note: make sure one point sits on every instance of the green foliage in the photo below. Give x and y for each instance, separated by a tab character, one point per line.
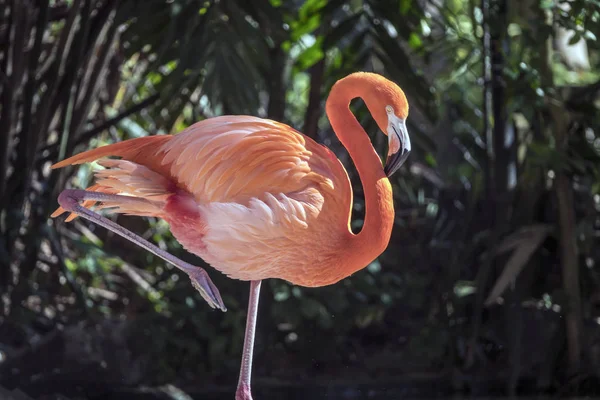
160	66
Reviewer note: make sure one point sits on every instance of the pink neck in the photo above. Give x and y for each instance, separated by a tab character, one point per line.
379	217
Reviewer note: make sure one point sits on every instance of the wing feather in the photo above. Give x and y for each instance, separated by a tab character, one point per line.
235	159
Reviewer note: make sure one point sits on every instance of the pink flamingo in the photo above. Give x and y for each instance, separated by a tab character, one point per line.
255	198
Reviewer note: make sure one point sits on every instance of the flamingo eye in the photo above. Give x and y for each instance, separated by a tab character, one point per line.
389	109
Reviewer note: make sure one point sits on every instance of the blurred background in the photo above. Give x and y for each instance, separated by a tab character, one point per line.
491	282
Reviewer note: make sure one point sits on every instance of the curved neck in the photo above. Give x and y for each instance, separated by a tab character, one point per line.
379	215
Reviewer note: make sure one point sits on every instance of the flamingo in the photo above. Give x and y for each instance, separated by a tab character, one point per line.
255	198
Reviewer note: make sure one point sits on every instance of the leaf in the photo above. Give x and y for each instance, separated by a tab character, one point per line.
310	8
464	288
301	28
405	6
525	242
341	31
545	155
310	308
574	39
588	35
414	41
311	56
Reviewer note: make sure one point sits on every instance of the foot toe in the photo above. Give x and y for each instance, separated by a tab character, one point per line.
207	288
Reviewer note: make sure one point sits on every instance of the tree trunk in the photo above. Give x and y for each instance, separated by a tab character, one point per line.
568	247
313	111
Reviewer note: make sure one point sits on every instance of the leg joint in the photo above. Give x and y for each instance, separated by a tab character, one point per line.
69	199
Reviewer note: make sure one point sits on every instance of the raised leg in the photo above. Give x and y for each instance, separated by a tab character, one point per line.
243	390
69	199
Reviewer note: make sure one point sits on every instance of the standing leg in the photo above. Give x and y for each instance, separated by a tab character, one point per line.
243	390
69	200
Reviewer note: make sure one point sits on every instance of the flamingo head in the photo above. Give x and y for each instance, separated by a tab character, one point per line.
389	107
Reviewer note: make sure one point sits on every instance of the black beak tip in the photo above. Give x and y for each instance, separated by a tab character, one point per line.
387	170
389	173
394	162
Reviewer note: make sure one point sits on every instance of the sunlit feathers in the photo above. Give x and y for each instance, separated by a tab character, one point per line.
254	198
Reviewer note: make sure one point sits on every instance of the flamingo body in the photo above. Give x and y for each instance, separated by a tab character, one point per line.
254	198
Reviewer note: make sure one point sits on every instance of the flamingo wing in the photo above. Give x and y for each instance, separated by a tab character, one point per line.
261	188
237	158
244	193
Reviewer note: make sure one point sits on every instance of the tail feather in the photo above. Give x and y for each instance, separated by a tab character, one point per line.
139	150
139	173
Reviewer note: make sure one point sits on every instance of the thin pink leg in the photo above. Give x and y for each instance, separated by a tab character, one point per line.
243	390
69	199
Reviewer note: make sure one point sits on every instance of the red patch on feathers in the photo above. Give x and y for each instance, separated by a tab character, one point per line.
187	225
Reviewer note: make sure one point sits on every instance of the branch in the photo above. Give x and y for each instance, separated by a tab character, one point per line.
83	102
7	106
91	133
28	141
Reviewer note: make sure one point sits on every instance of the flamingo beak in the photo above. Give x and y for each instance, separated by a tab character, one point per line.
399	145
